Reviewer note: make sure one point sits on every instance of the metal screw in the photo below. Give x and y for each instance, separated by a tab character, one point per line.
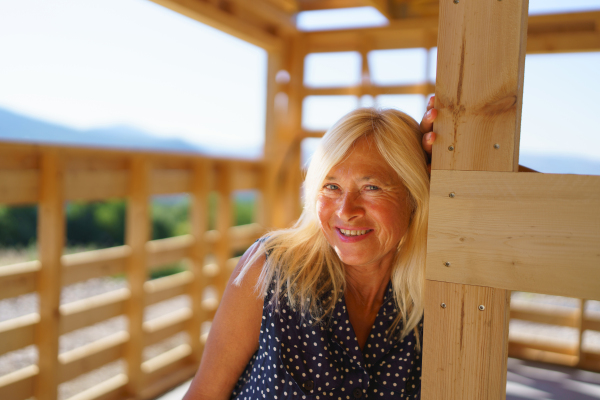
443	305
497	146
451	195
456	1
447	263
481	307
451	148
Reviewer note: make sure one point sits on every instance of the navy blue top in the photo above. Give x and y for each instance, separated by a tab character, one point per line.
298	359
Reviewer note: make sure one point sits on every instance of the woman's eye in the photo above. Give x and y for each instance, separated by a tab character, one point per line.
331	186
372	187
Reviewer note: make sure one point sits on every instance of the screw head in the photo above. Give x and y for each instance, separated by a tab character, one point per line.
447	263
456	1
451	148
496	146
452	195
443	305
481	307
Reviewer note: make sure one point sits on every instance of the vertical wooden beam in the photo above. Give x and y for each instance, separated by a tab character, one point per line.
51	237
479	91
223	223
137	233
199	225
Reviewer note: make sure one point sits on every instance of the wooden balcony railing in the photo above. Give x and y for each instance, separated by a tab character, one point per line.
49	176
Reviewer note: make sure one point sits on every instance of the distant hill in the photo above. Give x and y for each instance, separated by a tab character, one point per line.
20	128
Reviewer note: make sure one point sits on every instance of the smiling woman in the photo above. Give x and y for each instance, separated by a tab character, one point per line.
333	306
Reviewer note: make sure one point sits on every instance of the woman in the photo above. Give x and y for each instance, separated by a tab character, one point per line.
332	307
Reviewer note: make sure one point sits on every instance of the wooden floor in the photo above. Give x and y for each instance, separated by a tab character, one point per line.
526	380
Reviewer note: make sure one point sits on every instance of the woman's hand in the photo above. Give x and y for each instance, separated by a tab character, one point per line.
427	129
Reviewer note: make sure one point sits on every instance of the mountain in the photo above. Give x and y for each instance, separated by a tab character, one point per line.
20	128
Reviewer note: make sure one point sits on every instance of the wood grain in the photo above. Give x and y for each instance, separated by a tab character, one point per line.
529	232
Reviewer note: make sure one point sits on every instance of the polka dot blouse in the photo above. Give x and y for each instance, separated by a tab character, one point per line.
297	359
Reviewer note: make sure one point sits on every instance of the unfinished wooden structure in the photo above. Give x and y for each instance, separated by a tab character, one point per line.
492	230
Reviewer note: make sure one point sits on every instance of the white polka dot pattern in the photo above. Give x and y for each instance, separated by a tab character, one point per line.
297	359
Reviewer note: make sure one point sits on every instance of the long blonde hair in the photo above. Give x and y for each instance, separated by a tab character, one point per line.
300	261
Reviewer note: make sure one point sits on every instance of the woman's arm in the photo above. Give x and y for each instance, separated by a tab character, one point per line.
233	337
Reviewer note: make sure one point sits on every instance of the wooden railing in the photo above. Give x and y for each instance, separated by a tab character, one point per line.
50	176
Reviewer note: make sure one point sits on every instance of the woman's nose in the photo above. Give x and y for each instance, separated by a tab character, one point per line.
350	206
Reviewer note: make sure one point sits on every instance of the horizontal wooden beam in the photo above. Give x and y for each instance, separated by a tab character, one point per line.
18	279
94	264
166	326
110	389
546	34
18	332
18	385
545	314
166	363
91	356
184	371
164	288
86	312
95	185
218	18
19	186
424	89
167	251
313	5
530	232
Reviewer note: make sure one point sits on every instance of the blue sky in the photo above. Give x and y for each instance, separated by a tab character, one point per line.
92	63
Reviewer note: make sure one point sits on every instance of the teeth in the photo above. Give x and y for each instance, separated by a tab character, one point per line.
353	233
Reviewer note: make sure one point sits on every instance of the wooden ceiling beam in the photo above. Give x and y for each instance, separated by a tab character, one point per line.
210	14
559	33
313	5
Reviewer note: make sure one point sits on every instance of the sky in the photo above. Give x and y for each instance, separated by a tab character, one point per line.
96	63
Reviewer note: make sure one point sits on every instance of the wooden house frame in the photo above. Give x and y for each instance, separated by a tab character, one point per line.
489	231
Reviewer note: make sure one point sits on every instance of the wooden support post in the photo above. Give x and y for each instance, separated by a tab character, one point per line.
137	233
51	237
224	222
479	91
199	225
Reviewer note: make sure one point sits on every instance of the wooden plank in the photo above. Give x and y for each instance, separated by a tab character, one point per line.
198	226
137	233
18	279
545	314
91	356
18	385
18	332
561	33
94	264
167	251
19	186
110	389
86	312
167	325
244	179
479	90
454	323
95	185
592	324
164	288
220	19
170	181
224	221
312	5
524	352
166	363
530	232
184	372
51	238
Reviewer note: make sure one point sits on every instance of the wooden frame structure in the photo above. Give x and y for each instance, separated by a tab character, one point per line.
489	230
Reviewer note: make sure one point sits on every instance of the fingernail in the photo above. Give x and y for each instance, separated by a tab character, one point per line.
428	114
428	137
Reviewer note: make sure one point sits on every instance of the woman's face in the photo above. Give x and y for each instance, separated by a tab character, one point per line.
363	208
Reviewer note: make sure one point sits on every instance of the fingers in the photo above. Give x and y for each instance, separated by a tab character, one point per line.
427	142
430	103
427	121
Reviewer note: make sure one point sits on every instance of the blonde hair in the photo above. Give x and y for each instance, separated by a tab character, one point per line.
301	263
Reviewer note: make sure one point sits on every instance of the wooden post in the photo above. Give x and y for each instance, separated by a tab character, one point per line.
224	222
479	91
199	224
137	233
51	238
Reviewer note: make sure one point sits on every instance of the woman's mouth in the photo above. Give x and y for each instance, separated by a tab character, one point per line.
351	232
